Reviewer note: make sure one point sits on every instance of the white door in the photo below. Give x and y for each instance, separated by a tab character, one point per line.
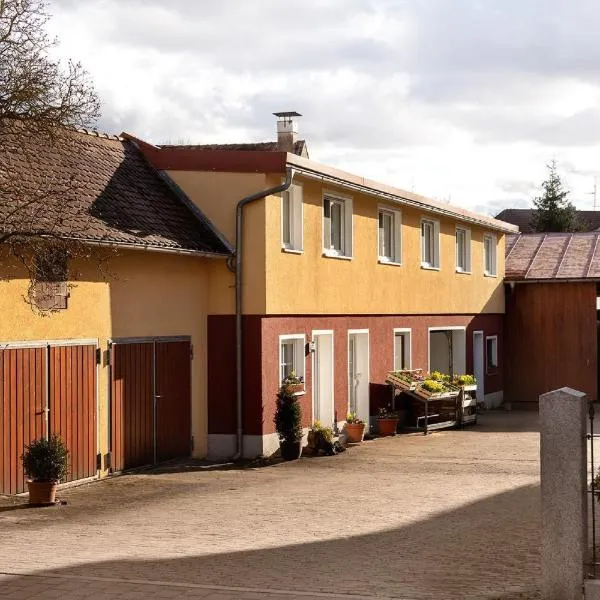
323	407
478	363
358	374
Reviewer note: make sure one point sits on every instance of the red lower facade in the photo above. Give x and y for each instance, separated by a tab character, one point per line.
261	374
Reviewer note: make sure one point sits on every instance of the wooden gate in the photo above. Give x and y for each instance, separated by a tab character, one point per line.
150	401
43	390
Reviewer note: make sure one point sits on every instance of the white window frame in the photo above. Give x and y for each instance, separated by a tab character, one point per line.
294	195
395	257
299	359
494	365
435	244
345	252
493	256
467	250
407	334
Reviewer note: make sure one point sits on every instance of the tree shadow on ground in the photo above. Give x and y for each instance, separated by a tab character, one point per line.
488	549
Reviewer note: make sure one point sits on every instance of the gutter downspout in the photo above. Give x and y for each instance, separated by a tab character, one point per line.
239	227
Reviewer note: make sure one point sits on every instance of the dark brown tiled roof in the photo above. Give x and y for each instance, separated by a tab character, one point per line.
555	256
107	192
588	220
299	147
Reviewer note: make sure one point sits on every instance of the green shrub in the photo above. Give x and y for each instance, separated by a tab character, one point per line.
288	416
46	460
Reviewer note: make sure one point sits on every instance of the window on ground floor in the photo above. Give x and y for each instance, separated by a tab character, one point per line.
291	356
491	353
401	349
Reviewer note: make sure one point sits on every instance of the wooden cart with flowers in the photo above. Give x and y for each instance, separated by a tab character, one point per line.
436	400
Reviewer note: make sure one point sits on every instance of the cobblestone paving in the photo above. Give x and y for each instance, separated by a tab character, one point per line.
454	515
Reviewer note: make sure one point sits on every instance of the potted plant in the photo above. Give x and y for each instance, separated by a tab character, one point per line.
294	383
387	421
355	429
45	464
320	439
288	423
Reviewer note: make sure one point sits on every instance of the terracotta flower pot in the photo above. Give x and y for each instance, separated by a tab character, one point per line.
42	493
355	432
290	450
387	426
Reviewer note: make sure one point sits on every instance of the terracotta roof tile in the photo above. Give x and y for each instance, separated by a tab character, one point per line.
553	256
110	193
588	220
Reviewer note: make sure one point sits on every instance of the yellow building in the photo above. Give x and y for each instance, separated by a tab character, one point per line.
343	279
111	353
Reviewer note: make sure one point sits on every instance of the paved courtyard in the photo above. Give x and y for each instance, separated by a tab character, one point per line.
454	515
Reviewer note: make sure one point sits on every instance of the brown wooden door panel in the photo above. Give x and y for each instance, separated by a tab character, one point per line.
22	403
173	410
73	405
132	405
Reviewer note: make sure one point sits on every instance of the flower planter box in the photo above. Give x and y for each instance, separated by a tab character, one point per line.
427	395
405	380
296	388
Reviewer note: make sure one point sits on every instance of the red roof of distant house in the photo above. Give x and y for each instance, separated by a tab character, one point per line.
552	256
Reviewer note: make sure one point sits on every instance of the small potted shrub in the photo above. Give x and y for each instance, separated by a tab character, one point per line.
387	421
45	464
355	429
288	423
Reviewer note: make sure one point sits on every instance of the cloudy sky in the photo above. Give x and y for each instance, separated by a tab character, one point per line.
460	100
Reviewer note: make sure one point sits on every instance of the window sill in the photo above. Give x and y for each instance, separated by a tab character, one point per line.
340	256
429	267
299	393
461	272
392	263
292	251
495	276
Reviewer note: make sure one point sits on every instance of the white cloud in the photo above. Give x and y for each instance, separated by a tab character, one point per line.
464	100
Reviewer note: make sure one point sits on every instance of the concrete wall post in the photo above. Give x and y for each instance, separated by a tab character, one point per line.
563	462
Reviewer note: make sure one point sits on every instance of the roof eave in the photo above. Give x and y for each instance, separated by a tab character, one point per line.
348	180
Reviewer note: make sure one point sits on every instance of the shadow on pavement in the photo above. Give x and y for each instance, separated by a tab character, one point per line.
488	549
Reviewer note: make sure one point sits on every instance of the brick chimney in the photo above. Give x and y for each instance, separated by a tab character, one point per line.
287	130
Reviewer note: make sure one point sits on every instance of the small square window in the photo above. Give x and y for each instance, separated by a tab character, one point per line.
389	234
50	289
491	353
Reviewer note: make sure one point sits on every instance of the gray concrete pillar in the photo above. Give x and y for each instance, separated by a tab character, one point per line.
563	456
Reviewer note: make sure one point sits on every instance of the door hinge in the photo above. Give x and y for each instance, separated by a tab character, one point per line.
192	443
98	462
98	356
191	351
108	460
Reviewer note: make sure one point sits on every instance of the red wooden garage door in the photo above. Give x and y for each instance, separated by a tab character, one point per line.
150	402
71	407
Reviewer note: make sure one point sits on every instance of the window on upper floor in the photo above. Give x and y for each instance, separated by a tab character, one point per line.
430	244
463	250
401	349
337	226
292	218
489	255
291	356
50	289
389	234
